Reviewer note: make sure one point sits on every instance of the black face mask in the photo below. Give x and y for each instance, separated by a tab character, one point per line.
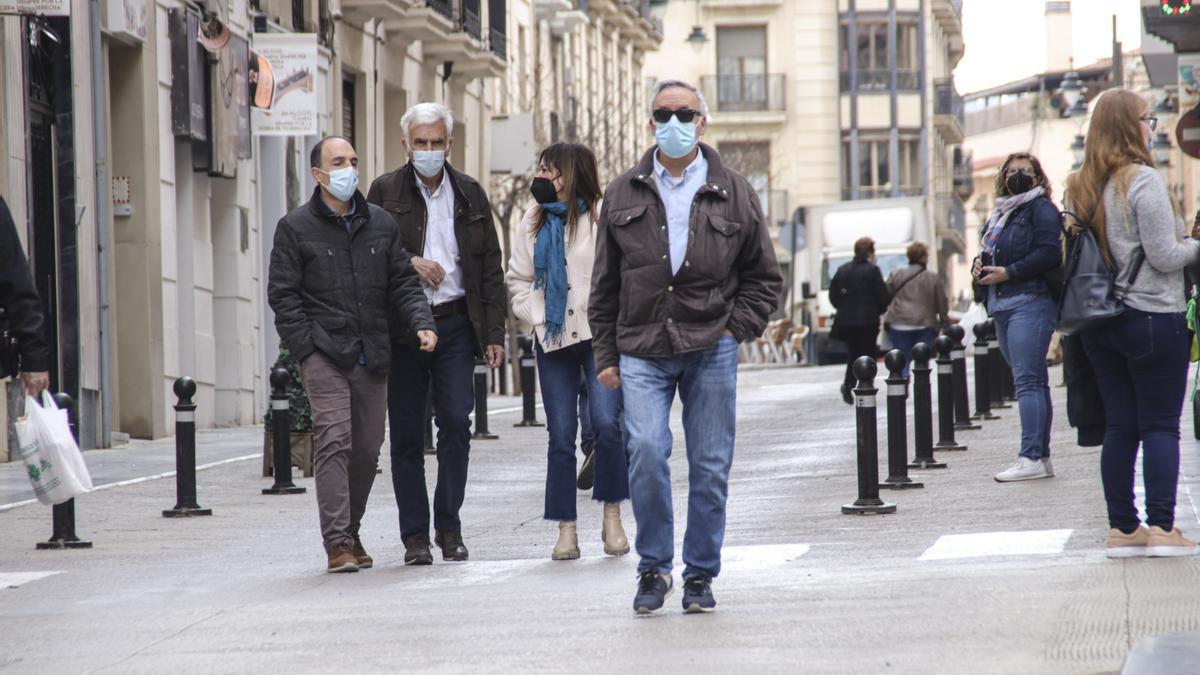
1019	183
543	191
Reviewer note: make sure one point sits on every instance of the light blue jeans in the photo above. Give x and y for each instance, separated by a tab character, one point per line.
707	385
1024	330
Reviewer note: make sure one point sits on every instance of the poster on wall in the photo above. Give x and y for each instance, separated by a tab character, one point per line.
1189	82
293	59
39	7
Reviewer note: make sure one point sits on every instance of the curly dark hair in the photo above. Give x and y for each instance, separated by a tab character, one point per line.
1001	187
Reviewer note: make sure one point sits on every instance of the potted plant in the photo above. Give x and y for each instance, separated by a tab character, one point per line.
301	410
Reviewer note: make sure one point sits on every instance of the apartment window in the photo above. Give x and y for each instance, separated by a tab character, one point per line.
741	68
752	160
348	110
874	169
870	54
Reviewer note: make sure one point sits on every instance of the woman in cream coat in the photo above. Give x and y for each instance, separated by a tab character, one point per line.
549	278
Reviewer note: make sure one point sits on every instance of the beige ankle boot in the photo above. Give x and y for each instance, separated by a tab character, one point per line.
611	533
567	547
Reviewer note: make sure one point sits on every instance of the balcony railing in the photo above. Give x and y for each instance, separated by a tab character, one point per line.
498	42
443	7
472	24
880	79
947	100
745	93
955	213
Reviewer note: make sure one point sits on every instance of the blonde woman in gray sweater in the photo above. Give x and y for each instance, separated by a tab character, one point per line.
1141	358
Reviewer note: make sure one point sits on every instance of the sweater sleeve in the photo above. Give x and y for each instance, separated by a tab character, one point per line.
1158	225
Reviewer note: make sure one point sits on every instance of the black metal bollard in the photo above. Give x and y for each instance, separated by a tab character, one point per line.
281	416
923	410
996	381
528	378
481	393
63	534
868	502
962	402
983	374
185	453
897	424
945	391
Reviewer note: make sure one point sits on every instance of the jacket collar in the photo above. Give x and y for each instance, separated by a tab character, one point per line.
319	208
407	175
718	182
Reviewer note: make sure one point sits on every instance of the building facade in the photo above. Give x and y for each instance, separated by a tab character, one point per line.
818	102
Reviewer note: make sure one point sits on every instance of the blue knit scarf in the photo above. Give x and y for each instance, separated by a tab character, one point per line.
550	266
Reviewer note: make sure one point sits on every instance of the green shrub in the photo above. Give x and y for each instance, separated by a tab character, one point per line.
297	398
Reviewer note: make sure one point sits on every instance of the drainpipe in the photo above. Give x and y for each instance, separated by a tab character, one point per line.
100	139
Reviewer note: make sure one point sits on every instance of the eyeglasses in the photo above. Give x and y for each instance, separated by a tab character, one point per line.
685	115
1150	120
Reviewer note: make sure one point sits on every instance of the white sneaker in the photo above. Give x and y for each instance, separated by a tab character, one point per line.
1048	466
1023	469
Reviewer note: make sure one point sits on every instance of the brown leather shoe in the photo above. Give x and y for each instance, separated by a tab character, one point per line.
341	559
416	550
360	554
452	546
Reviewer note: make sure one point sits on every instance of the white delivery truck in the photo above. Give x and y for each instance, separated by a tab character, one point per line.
832	230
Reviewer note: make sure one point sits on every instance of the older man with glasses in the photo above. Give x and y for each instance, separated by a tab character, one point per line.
685	270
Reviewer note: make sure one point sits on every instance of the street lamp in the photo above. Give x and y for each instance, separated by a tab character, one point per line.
1077	147
697	38
1071	90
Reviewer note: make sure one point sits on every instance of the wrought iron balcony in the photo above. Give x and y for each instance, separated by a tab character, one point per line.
745	93
880	79
472	23
498	43
948	110
443	7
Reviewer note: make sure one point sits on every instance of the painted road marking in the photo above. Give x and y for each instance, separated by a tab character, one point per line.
984	544
14	579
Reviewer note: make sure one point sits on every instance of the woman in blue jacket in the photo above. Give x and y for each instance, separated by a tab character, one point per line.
1021	243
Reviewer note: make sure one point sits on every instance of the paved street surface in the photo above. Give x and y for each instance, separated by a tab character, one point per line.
969	576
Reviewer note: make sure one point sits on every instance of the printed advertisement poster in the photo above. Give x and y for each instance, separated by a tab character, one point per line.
293	59
1189	81
42	7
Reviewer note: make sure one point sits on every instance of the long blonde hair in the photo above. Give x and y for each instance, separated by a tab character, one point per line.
1114	149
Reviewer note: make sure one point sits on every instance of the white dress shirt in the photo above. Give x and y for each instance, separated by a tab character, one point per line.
441	246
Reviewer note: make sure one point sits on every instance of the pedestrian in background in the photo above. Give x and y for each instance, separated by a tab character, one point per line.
446	225
860	296
549	278
1141	357
22	311
919	306
338	330
685	271
1022	241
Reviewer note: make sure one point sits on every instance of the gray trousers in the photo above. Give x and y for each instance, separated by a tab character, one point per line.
349	407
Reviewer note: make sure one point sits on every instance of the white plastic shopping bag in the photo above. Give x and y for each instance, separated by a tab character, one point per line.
973	315
50	453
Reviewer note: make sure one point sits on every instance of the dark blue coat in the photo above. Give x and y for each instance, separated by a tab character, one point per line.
1029	246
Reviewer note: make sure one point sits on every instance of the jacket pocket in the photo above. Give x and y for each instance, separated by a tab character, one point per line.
715	250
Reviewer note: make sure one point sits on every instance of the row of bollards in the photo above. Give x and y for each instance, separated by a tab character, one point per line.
991	374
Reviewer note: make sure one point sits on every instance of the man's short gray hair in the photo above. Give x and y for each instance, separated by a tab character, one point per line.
427	113
667	84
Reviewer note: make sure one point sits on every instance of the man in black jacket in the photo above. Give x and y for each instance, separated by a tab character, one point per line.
860	296
446	225
22	312
339	278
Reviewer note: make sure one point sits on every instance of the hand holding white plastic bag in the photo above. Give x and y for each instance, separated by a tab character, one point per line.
50	453
973	315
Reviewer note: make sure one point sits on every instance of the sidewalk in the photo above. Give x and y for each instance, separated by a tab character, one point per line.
968	576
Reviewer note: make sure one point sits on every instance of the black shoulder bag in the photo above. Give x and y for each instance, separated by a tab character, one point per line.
1090	295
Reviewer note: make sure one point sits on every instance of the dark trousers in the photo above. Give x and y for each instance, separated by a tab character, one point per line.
451	367
1141	364
860	341
560	373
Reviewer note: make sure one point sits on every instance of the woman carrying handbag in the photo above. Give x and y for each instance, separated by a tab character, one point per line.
1140	356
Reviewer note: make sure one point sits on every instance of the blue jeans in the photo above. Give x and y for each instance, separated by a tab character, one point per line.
1024	332
451	367
559	373
707	385
1141	364
905	340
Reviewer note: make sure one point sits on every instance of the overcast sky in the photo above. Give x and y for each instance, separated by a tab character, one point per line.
1005	38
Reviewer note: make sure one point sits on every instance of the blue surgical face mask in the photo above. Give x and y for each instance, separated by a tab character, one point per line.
342	183
676	139
428	162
